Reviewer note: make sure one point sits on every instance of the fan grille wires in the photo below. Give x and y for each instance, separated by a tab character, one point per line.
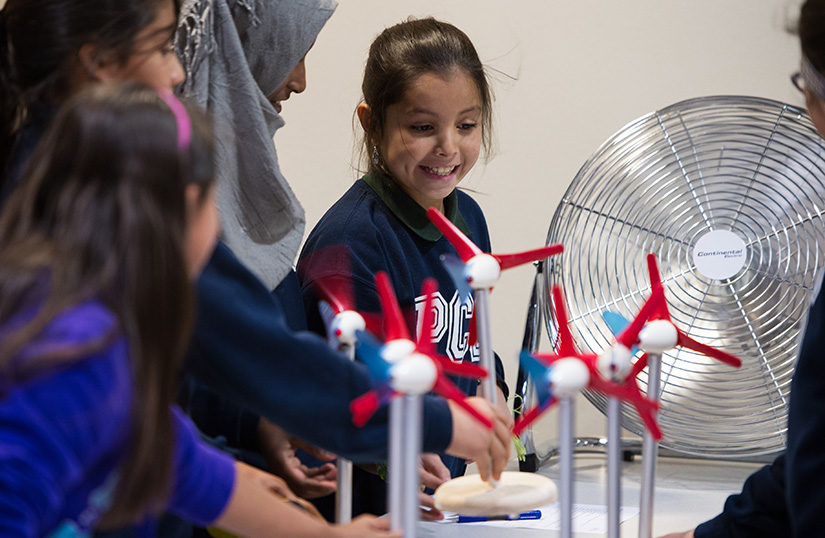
750	166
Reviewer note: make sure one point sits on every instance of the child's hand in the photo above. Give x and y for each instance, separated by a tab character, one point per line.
489	448
278	449
365	526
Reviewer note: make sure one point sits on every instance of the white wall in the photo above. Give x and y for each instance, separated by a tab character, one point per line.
583	69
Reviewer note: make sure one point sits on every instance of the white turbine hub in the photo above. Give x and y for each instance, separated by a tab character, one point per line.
614	363
415	374
395	351
483	272
345	324
658	336
568	376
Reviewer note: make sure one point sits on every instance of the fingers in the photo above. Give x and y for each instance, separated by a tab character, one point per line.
428	510
432	471
489	448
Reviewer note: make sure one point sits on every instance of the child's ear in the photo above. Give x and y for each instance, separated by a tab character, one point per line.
97	65
365	117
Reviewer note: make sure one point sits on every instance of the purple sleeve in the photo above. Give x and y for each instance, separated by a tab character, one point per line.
204	476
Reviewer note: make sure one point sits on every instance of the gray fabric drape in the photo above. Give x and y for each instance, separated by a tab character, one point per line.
236	53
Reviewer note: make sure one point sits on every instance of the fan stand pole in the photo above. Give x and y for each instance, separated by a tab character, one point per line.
485	346
343	497
650	452
566	415
395	465
614	461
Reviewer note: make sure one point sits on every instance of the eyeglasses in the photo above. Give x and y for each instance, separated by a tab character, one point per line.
798	82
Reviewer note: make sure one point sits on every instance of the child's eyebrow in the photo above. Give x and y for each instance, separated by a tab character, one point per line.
475	108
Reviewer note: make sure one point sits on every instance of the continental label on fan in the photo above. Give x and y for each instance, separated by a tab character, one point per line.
719	254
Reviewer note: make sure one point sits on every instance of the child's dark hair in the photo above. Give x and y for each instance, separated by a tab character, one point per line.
101	215
39	40
402	53
811	28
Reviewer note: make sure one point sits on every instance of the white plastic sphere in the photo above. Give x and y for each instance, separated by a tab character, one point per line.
568	376
397	350
658	336
415	374
483	272
614	363
345	324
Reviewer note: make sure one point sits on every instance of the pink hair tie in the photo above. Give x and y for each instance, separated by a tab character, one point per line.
182	119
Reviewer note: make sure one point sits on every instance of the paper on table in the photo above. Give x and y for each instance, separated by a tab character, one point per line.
587	518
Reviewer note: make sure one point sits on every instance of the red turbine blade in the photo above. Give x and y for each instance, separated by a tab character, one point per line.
396	328
530	416
424	342
472	337
507	261
566	346
329	272
688	342
445	388
462	369
364	407
630	335
466	249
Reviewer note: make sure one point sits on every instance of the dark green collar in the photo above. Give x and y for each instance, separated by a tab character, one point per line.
409	212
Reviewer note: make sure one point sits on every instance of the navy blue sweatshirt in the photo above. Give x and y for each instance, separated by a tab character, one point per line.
386	230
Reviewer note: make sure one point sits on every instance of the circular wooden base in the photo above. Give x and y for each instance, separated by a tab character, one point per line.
515	493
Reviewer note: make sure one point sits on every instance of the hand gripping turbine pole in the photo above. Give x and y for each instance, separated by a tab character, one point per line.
652	331
481	271
558	377
403	371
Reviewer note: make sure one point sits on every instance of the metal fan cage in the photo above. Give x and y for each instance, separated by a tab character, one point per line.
751	166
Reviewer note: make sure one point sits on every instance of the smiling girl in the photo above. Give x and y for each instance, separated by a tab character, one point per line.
426	116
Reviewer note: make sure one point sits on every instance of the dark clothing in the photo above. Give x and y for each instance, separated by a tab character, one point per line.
243	349
787	498
382	229
759	511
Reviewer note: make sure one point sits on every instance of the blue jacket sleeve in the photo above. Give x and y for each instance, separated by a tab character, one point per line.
805	465
243	348
759	511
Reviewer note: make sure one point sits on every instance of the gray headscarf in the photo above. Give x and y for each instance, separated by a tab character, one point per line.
236	53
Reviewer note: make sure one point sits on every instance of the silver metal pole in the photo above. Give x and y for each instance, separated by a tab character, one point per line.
650	452
566	416
412	450
343	497
395	465
485	346
614	462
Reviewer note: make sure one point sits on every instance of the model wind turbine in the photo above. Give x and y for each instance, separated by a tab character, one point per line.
558	377
480	271
652	331
403	371
332	283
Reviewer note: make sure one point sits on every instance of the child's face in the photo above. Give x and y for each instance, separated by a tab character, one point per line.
432	138
153	60
202	227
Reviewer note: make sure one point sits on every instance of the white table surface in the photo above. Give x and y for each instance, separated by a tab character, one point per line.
688	492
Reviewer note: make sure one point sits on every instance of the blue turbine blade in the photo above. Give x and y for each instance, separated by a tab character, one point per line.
368	349
455	267
538	372
617	323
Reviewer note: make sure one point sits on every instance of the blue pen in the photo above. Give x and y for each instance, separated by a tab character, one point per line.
532	514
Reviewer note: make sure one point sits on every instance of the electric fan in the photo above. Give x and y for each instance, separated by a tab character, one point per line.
728	193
